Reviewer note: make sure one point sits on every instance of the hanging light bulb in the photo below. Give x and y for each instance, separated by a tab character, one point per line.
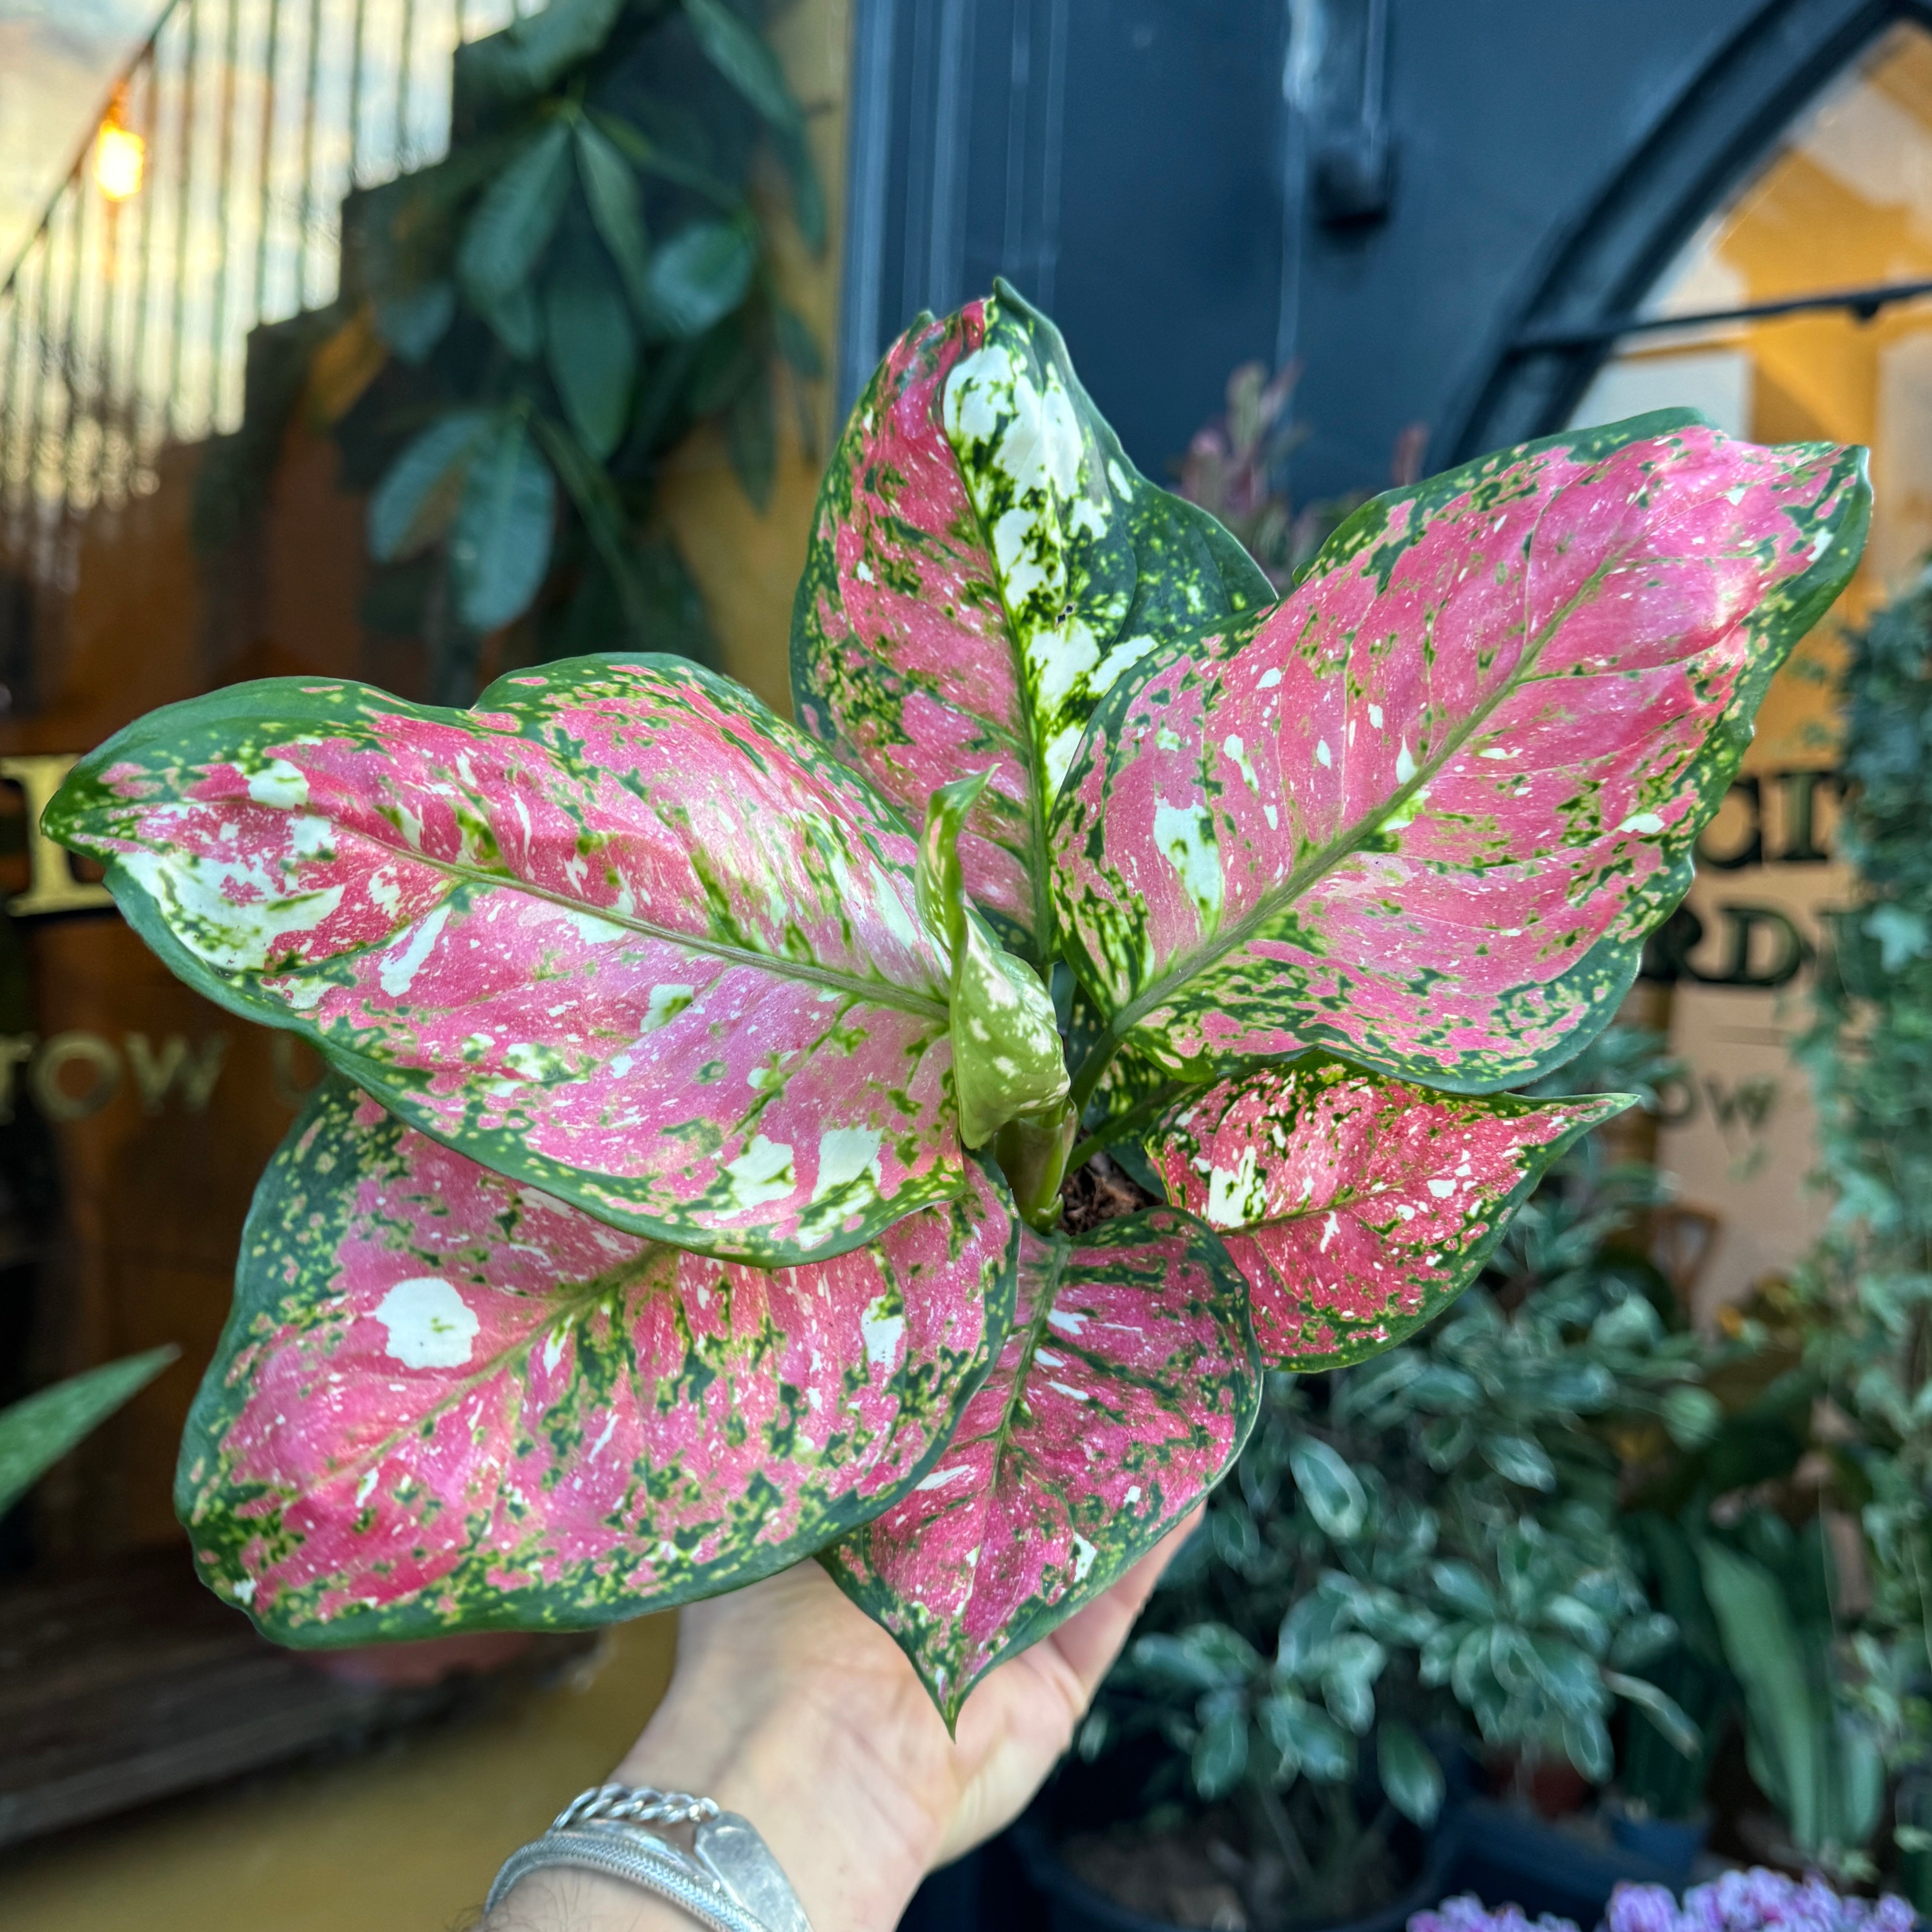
120	155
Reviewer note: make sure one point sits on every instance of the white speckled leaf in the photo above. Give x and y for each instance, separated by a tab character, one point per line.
1424	812
618	932
1127	1385
444	1402
985	562
1357	1207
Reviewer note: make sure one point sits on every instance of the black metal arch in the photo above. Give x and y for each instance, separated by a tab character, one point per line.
1549	342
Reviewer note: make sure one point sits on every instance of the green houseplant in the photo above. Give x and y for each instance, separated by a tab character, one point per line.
1425	1547
1866	1296
687	1199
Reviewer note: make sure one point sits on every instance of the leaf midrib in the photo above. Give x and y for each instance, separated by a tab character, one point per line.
1037	875
1000	1434
568	1304
1062	1253
1109	1369
1331	856
877	992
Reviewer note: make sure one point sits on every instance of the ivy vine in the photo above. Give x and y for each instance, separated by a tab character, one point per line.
1868	1285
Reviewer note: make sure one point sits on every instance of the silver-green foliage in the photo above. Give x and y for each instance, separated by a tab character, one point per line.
1431	1549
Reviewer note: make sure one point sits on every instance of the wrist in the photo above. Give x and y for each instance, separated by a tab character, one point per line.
852	1816
844	1775
561	1900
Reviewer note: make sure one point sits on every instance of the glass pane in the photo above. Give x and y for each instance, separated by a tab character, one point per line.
1845	202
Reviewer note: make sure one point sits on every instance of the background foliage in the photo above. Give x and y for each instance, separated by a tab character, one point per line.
529	328
1424	1548
1865	1310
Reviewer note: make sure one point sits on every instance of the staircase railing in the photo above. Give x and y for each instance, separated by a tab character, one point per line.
206	200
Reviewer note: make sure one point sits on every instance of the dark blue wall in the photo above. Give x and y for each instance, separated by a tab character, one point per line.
1135	166
1118	159
1509	117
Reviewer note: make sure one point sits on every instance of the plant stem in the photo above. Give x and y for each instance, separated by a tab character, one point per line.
1032	1155
1274	1813
1122	1125
1092	1070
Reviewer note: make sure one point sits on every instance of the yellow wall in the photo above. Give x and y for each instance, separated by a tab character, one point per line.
1847	203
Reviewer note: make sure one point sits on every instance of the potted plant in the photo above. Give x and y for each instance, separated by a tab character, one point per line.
528	326
1416	1556
687	1197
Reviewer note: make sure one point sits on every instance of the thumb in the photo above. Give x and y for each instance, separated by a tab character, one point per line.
1091	1638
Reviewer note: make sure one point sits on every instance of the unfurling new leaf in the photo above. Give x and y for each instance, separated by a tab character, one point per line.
1006	1060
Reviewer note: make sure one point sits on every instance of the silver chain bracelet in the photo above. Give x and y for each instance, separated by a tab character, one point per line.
728	1881
634	1805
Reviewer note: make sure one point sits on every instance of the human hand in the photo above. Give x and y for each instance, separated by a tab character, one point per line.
791	1707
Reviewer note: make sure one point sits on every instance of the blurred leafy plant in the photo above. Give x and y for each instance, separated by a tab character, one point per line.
37	1432
1736	1539
529	327
1433	1552
1236	468
1868	1292
1809	1747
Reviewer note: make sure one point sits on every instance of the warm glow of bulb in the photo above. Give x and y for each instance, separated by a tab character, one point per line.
118	157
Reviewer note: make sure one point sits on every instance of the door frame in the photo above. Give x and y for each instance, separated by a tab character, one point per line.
1706	144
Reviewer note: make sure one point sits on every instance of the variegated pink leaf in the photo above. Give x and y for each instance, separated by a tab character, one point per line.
1425	811
444	1402
984	563
1357	1207
1128	1383
618	932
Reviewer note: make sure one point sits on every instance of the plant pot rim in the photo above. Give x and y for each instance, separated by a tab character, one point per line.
1039	1855
1612	1806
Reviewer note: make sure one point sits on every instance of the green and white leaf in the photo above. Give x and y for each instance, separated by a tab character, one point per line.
1007	1059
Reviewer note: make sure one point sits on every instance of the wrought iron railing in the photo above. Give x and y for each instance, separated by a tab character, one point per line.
205	200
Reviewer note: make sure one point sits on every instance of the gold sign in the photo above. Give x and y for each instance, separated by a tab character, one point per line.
53	887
